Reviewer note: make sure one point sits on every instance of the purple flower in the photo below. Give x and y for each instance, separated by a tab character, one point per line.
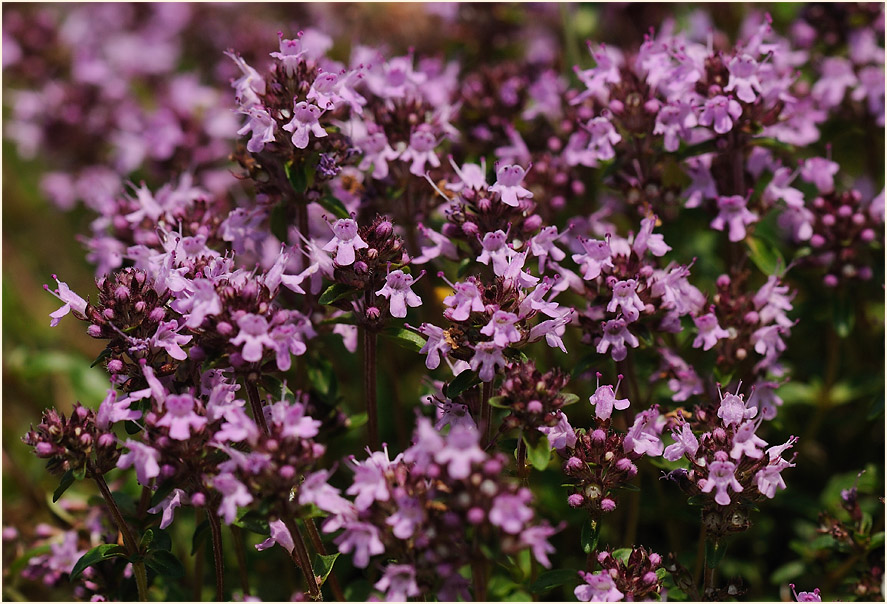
709	331
495	248
561	435
780	188
168	338
421	150
720	112
377	152
510	512
734	214
145	459
254	337
112	411
597	257
345	241
501	328
465	299
486	357
616	336
203	302
733	411
407	518
369	480
604	400
508	185
250	85
625	297
289	339
598	587
292	420
647	240
536	538
837	76
643	436
674	122
305	122
676	291
316	489
602	138
746	442
262	126
435	346
806	596
363	539
168	507
398	583
460	452
685	442
397	290
280	535
821	172
743	78
769	478
234	494
70	299
553	330
180	417
721	477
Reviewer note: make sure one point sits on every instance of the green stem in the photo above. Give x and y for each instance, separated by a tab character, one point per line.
237	534
369	386
215	527
255	402
198	562
318	546
138	568
300	553
486	413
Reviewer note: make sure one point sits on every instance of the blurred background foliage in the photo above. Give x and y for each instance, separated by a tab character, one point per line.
834	401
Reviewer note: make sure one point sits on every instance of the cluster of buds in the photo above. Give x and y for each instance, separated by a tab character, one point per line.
635	575
399	510
729	466
844	234
75	443
534	399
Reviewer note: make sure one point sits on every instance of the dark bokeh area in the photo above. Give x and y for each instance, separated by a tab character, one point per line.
833	395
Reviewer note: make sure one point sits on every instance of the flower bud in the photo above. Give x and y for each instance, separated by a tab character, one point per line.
492	467
593	492
197	353
575	500
476	515
108	313
817	240
574	464
44	449
122	292
829	219
858	219
384	229
535	407
607	504
360	267
470	229
157	314
845	211
115	366
224	328
598	437
198	499
616	106
372	253
373	313
867	235
532	223
719	435
650	578
751	317
287	472
140	306
723	282
107	440
830	281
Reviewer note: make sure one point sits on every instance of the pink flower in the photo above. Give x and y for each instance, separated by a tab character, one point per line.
168	507
733	410
397	290
616	336
734	214
598	587
363	539
597	257
305	122
345	241
510	512
234	494
180	417
460	452
746	442
508	185
398	583
71	302
254	337
604	401
721	477
487	356
501	328
421	150
709	331
280	535
625	297
168	338
376	152
145	459
685	443
602	138
720	112
465	300
262	126
743	78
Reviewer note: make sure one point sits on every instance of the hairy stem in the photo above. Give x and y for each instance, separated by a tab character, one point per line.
215	527
369	386
486	413
320	549
256	403
138	568
300	553
522	461
237	534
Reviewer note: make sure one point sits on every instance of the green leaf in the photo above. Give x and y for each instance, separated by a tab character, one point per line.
460	384
333	206
66	481
844	316
254	522
497	402
336	292
96	555
279	221
540	454
765	255
405	338
102	356
629	487
554	578
517	596
358	420
464	267
622	554
787	572
155	540
199	537
131	427
569	398
165	563
877	541
297	176
708	146
714	553
323	566
591	532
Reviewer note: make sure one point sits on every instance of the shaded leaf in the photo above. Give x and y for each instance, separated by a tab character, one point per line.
102	356
297	176
155	539
254	522
336	292
405	338
333	206
554	578
765	255
165	563
569	398
540	453
460	384
96	555
66	481
199	537
591	531
323	566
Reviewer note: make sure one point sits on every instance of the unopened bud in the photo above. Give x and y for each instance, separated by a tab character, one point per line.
575	500
373	313
598	437
535	407
157	314
574	464
198	499
607	504
115	366
532	223
361	267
